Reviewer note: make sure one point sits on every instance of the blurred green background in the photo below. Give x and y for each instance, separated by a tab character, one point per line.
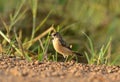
99	19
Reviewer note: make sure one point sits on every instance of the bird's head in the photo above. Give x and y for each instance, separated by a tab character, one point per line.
55	35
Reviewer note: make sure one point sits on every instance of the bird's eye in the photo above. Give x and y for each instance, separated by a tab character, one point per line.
54	34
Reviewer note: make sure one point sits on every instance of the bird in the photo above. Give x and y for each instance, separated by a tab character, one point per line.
61	46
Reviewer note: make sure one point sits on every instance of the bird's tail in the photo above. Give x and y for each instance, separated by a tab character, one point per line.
78	54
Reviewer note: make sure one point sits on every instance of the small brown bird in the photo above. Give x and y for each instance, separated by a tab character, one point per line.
60	45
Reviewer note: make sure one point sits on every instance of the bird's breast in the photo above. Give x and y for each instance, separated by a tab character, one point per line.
61	49
57	45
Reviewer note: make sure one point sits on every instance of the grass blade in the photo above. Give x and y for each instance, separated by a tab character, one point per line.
8	40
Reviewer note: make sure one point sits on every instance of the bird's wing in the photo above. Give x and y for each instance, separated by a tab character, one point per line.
63	43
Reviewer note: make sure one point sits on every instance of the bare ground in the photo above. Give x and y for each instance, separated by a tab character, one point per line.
13	69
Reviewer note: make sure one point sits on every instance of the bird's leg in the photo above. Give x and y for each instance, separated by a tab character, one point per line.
71	57
66	58
76	59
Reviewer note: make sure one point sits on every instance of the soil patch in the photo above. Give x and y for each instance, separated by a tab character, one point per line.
14	69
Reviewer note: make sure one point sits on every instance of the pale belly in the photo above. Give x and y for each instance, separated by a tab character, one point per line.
60	49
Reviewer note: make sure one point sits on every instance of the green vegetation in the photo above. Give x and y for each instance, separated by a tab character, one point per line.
98	57
87	25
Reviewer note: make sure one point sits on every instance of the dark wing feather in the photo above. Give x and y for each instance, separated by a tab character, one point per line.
63	43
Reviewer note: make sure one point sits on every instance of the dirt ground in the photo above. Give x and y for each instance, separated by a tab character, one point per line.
14	69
